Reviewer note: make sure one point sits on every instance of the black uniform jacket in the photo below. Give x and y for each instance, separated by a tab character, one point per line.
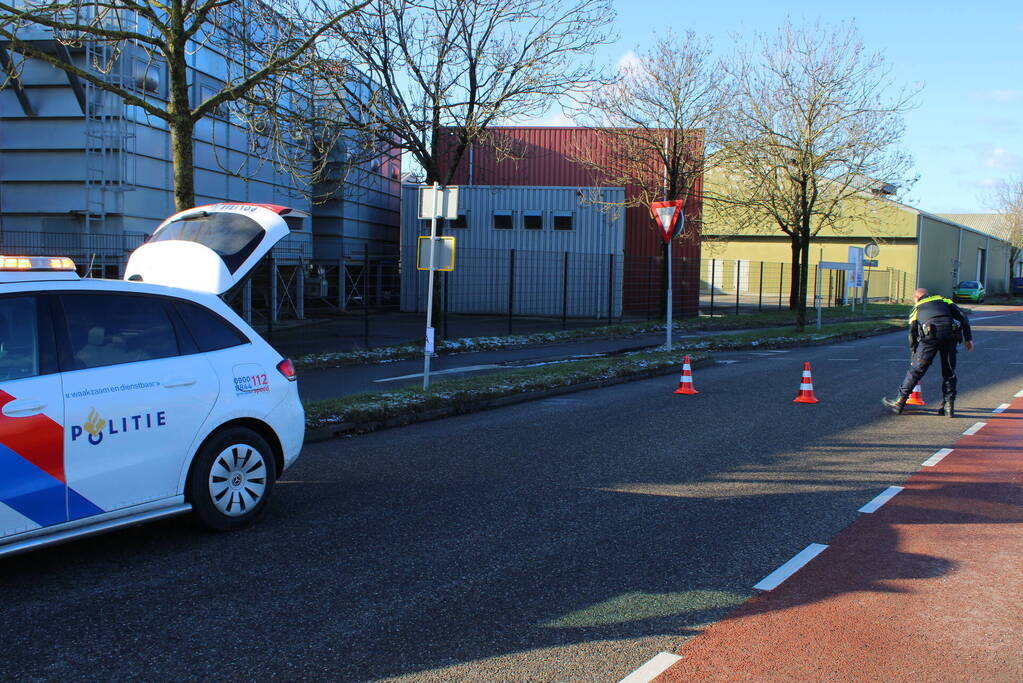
937	311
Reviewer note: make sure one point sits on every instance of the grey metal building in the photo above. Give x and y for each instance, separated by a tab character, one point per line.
84	175
541	251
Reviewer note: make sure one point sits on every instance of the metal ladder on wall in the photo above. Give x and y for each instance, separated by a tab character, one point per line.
109	146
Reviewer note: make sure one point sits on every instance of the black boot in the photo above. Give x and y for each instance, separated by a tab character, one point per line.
895	405
941	408
950	407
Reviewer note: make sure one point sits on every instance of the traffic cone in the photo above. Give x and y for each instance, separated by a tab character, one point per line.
685	382
806	387
916	398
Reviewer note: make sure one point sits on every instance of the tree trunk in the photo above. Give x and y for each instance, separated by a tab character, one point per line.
181	131
794	274
804	271
181	125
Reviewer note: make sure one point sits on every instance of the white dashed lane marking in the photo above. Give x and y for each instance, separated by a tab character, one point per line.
974	429
937	457
802	558
881	499
1001	408
652	669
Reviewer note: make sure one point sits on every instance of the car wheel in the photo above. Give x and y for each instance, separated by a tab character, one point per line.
231	480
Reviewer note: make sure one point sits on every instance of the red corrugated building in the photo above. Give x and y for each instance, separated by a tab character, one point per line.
543	157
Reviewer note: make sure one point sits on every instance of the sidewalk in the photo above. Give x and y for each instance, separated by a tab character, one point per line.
926	588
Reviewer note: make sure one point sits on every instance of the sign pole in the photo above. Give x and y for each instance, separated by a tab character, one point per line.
428	347
667	326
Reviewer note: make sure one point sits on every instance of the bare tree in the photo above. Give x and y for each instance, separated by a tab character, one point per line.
267	51
439	72
1007	200
432	75
812	138
654	125
656	120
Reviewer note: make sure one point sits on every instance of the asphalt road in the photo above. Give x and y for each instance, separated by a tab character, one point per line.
568	539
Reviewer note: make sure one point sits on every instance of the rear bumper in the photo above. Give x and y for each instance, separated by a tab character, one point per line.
288	420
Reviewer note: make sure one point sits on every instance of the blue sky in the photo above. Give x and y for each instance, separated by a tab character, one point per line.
966	132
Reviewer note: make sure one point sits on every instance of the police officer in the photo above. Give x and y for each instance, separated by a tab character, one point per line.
935	327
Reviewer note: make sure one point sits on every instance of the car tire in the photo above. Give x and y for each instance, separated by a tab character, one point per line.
231	480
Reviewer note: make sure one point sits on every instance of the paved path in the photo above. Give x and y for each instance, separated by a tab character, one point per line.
926	588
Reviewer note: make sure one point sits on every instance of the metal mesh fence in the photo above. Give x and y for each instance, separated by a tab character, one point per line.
530	290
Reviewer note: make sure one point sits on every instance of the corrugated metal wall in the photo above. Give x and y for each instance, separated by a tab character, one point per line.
43	171
546	263
543	156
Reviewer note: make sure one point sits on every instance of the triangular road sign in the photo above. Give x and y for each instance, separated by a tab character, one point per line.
669	217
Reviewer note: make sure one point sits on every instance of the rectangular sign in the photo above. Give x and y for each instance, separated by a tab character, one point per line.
856	259
444	253
447	202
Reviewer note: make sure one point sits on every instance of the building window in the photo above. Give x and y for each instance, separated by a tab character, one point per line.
459	223
148	76
563	220
532	220
503	220
208	90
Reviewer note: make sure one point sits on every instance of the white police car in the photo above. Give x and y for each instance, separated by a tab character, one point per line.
127	401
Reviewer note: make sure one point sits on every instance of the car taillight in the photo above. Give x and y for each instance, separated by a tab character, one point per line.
287	368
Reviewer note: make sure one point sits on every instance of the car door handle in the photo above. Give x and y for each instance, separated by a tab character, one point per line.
23	408
179	382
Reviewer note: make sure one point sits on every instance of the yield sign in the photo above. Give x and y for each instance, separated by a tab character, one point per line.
669	217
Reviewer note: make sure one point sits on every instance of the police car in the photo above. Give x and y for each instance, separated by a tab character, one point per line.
128	401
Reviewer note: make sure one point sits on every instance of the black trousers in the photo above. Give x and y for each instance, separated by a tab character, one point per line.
943	345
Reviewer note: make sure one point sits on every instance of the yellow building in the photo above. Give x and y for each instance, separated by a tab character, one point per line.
916	249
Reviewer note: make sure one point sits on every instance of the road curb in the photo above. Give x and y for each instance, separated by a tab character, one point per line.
319	434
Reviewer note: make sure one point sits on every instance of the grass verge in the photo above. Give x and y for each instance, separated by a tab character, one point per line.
368	411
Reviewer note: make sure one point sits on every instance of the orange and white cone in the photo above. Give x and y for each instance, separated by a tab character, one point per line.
806	387
685	382
916	398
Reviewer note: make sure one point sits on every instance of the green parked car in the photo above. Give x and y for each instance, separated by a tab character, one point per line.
971	290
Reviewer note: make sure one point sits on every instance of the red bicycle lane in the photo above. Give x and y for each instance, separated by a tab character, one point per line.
926	588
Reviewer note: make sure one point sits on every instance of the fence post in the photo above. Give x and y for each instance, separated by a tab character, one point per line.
271	299
511	287
649	286
816	270
564	293
300	304
444	319
760	292
713	276
342	298
365	298
781	281
610	286
738	281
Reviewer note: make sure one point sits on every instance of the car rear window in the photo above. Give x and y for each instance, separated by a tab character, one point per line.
109	329
210	331
231	235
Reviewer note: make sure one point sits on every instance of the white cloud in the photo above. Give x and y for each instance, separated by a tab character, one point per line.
555	120
1002	159
629	61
